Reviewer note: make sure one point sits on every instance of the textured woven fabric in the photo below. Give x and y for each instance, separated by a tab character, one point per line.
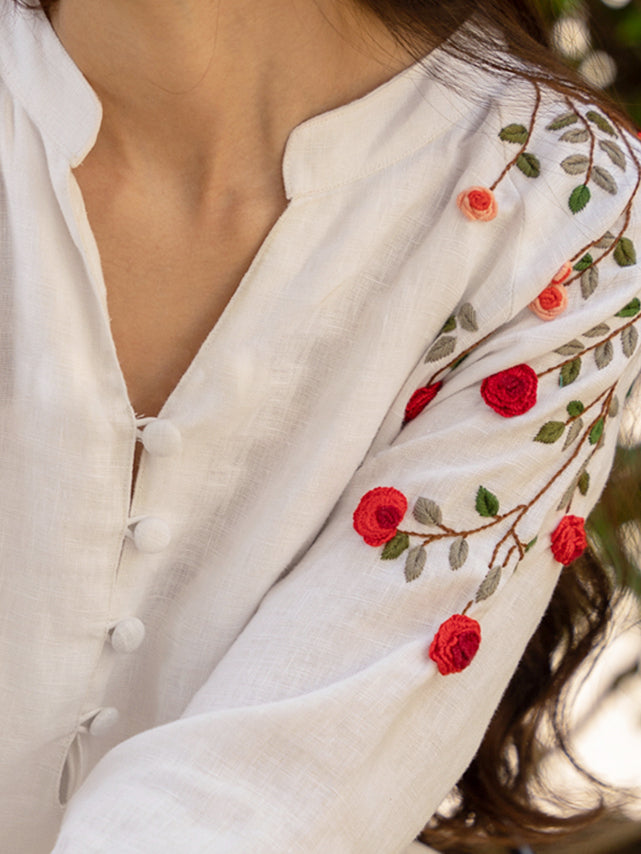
228	663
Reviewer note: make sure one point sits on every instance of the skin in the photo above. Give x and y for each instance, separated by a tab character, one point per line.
184	182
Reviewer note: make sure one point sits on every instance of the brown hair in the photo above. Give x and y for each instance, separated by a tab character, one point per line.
494	797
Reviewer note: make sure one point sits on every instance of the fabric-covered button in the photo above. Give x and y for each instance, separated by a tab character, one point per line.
162	438
151	534
103	721
127	635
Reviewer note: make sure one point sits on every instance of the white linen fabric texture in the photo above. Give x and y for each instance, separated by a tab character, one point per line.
283	699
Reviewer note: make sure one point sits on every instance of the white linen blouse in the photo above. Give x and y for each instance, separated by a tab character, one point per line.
380	457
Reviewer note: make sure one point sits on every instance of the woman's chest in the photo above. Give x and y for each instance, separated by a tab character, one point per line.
169	274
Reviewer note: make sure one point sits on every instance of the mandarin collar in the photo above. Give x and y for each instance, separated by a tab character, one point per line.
324	152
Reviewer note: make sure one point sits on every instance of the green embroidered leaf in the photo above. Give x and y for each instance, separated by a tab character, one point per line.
487	504
601	122
569	372
459	551
575	164
575	135
614	152
571	348
574	408
625	254
584	483
604	179
460	361
573	433
529	164
514	133
467	317
583	263
603	354
589	281
630	310
449	325
394	548
563	121
629	339
440	348
606	241
613	411
550	432
597	331
414	563
531	544
427	512
579	197
489	584
596	432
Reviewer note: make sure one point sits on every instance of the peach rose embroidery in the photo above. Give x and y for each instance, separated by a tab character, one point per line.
478	203
550	302
561	274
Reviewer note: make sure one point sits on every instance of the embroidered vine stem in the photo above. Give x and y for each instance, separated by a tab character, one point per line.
591	347
627	210
535	110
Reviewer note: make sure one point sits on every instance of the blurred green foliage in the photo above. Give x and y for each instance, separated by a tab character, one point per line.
617	31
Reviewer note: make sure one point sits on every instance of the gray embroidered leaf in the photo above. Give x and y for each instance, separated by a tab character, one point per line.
550	432
529	164
606	241
567	495
514	133
604	179
573	432
563	121
589	281
571	348
442	347
603	354
597	331
601	122
575	164
459	551
427	512
614	152
396	546
629	338
467	317
569	372
489	584
584	483
414	563
575	135
613	411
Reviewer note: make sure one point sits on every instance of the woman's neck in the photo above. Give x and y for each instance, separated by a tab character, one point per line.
207	91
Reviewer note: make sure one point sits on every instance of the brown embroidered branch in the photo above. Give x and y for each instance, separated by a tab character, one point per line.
591	347
521	151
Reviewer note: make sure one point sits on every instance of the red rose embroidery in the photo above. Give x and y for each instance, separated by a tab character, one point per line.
550	302
568	539
419	400
455	644
511	392
478	203
561	274
378	514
